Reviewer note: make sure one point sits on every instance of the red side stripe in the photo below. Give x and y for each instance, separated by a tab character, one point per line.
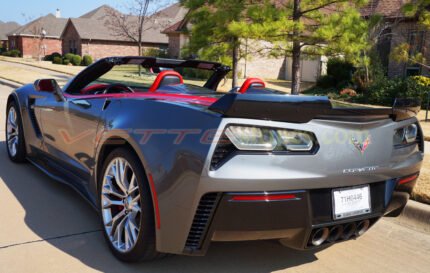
155	200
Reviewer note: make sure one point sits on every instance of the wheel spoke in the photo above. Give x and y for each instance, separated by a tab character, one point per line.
108	188
117	174
107	202
133	184
116	221
118	233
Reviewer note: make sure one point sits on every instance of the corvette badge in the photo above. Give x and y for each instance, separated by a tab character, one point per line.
361	146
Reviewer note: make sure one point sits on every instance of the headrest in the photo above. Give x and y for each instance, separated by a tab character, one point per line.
167	77
251	82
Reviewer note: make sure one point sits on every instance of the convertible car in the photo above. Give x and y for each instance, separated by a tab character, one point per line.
172	164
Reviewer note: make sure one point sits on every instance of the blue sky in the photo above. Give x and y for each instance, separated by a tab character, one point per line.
22	11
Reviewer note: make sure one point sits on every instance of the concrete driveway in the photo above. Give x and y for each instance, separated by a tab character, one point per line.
46	227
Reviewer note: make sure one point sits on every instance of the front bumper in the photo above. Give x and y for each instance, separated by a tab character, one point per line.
295	221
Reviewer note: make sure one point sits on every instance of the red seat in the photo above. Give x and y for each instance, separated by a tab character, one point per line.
93	87
251	82
167	77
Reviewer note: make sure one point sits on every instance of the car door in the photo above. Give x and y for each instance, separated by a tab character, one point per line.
69	128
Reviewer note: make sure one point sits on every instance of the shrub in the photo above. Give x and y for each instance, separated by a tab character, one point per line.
155	52
76	60
66	61
51	57
12	53
341	70
384	92
421	80
57	60
87	60
326	81
69	56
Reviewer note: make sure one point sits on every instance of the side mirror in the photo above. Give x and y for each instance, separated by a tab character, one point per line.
50	86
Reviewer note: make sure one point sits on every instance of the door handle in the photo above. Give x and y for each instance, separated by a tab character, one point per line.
82	103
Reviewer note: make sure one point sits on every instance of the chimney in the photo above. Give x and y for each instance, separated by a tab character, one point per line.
58	13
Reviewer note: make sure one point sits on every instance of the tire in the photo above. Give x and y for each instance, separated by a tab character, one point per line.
15	142
143	248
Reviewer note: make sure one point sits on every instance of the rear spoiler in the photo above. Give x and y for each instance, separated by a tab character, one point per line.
302	109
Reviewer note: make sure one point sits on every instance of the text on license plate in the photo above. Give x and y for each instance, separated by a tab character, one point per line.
350	202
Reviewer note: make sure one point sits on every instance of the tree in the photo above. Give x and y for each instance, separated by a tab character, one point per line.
406	51
211	36
305	28
139	16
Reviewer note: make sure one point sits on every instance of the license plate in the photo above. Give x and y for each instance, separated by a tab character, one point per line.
350	202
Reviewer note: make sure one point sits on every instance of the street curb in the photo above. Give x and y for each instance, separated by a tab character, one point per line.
10	83
415	216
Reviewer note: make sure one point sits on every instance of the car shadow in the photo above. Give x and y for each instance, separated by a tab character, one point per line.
56	213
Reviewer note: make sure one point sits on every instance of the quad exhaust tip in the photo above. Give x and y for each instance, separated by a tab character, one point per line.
341	232
348	231
362	227
334	233
319	236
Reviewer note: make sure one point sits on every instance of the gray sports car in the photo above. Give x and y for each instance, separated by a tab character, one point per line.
171	164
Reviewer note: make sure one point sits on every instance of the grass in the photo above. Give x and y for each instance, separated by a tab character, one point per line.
421	191
425	125
65	69
24	76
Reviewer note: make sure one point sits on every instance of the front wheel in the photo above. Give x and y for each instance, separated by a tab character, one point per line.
15	143
126	208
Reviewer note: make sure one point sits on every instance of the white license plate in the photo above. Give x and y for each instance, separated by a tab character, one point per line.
350	202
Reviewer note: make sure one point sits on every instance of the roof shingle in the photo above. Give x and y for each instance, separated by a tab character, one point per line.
5	28
94	26
52	25
386	8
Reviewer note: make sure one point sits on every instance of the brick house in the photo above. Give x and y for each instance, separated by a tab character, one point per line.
5	28
398	29
90	34
38	38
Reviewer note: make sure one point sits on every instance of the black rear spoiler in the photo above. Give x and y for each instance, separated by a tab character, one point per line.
302	109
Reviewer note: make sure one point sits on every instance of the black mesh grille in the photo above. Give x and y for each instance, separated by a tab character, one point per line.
33	118
420	139
222	152
201	221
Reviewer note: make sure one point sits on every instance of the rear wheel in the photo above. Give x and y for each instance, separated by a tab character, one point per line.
126	208
15	143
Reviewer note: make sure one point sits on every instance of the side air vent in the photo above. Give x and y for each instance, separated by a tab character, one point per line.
420	139
223	151
33	118
201	221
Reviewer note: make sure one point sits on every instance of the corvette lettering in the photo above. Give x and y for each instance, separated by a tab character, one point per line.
360	170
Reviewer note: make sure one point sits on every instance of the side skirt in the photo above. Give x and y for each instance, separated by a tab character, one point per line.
57	173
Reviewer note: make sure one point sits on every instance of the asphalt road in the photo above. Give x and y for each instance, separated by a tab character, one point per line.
46	227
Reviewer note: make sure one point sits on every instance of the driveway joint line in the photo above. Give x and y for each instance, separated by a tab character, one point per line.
50	238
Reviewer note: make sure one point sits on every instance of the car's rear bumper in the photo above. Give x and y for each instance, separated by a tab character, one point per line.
220	218
196	210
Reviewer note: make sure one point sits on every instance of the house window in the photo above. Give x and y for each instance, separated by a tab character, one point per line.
72	47
416	41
